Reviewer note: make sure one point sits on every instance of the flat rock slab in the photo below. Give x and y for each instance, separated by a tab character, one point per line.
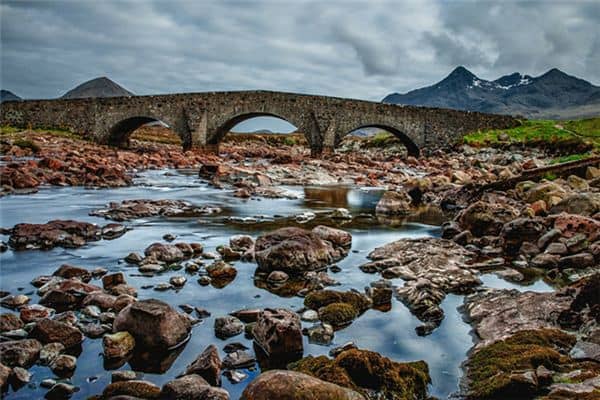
132	209
431	268
60	233
496	314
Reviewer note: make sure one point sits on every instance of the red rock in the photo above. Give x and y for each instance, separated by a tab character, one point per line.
49	331
572	224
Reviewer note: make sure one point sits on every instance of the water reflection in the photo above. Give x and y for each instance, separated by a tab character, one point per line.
390	333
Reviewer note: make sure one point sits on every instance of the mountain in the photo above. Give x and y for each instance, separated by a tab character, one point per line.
99	87
7	95
553	95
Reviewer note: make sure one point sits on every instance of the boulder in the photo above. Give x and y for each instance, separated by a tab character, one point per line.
69	271
586	204
35	312
118	345
394	203
191	387
228	326
281	385
369	373
337	237
551	192
133	388
168	253
293	250
49	331
4	375
496	314
63	365
10	322
20	353
483	218
572	224
153	324
278	332
241	242
521	230
207	365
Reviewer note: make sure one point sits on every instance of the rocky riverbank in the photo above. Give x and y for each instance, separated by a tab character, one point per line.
527	344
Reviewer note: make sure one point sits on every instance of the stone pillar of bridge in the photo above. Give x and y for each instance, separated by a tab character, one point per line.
329	137
199	131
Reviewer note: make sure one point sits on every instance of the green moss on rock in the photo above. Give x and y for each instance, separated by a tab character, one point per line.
367	372
321	298
494	371
338	314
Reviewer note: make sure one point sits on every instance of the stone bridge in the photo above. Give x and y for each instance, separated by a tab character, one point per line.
203	119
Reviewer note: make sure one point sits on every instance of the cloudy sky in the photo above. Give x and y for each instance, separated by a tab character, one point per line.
341	48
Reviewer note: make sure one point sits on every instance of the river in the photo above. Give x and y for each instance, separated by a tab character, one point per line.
390	333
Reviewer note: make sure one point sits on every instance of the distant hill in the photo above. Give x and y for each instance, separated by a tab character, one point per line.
553	95
7	95
99	87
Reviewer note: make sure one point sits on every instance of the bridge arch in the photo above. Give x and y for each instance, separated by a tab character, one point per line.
411	147
120	132
230	122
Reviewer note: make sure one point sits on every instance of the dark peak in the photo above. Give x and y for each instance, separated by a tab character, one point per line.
461	72
98	87
7	95
555	73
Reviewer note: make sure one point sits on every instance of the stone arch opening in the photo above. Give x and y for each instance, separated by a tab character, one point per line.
144	130
411	148
231	127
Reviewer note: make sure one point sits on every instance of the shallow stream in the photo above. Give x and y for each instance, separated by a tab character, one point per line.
389	333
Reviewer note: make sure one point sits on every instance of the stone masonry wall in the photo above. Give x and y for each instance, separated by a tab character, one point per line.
203	119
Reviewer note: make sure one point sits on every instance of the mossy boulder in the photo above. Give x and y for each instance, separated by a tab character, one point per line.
321	298
338	314
498	371
369	373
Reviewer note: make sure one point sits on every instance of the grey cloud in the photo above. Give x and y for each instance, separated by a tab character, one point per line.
351	49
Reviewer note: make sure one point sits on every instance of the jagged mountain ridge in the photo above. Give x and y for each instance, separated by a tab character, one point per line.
99	87
553	95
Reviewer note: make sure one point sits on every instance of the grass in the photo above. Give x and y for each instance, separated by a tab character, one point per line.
382	139
569	158
156	134
583	134
11	131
